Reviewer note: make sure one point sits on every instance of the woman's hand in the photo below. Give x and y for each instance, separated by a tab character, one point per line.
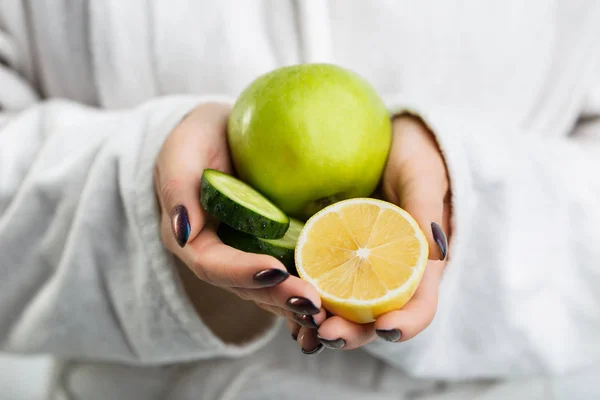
416	179
197	143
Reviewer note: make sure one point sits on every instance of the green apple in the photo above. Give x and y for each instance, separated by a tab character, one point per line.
310	135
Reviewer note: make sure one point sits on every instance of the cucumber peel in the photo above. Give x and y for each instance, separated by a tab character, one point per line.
240	206
282	249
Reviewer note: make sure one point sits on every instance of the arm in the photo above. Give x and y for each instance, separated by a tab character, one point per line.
519	294
83	272
82	269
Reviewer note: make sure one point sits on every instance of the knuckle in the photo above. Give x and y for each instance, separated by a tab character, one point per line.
271	296
200	270
230	275
282	313
169	190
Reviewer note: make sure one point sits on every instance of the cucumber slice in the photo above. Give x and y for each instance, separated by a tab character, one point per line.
282	249
240	206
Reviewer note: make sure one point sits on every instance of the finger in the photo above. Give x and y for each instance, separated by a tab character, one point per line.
294	294
339	333
310	321
222	265
424	200
179	169
178	198
418	181
280	312
292	326
417	314
294	329
300	320
308	341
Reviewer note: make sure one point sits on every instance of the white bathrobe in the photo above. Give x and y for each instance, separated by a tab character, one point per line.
90	89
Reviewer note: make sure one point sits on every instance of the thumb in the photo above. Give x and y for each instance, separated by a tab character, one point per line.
424	200
197	141
179	199
417	181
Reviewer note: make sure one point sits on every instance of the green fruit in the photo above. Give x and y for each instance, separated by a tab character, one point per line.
307	136
240	206
282	249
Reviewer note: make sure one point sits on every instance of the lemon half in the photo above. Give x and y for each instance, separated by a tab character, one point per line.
365	257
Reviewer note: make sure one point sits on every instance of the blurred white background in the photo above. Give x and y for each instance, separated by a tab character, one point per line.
26	378
23	378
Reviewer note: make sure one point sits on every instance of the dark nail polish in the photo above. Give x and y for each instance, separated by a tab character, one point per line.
315	351
295	337
180	225
305	320
440	239
391	335
332	344
270	277
301	305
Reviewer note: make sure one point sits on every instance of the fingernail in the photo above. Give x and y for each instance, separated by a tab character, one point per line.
301	305
305	320
391	335
440	239
315	351
332	344
295	337
270	277
180	225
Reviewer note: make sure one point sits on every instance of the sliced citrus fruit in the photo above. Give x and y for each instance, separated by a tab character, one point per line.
365	257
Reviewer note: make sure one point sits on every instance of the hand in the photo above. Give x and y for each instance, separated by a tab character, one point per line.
197	143
416	179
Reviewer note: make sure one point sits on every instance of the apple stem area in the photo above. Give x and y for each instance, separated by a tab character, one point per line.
319	204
